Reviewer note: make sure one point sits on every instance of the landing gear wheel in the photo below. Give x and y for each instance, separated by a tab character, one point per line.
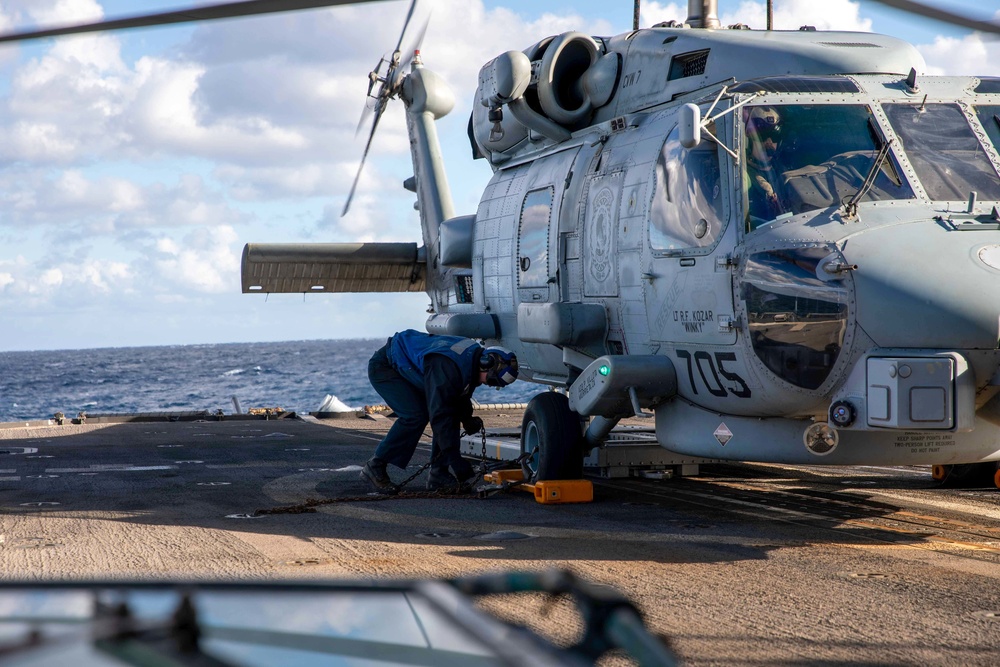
551	433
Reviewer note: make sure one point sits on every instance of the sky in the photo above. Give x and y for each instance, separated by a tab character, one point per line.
135	166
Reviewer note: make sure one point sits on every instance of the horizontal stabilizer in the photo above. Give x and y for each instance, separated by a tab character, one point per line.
292	268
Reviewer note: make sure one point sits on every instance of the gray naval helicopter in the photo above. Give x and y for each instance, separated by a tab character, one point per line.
781	246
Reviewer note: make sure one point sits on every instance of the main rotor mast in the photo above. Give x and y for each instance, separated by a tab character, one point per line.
703	14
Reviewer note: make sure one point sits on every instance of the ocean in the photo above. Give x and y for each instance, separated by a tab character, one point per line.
294	375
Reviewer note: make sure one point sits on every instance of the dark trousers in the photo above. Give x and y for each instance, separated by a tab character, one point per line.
407	401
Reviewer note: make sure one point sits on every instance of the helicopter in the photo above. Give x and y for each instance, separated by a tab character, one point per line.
777	246
717	229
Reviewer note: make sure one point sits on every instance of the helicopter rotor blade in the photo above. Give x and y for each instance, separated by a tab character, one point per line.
942	15
366	112
406	23
414	46
226	10
377	108
388	90
364	156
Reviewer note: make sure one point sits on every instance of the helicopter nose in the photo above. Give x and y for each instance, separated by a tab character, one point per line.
928	285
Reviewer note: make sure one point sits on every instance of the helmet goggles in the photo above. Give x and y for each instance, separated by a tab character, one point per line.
500	366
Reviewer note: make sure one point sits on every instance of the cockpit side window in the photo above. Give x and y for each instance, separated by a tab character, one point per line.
688	210
801	158
948	159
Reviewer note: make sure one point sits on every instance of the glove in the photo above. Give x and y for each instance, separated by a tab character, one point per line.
472	425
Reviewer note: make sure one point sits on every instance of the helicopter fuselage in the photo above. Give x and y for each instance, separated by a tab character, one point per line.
775	310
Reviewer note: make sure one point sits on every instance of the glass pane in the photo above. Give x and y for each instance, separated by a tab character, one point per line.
687	209
797	84
945	153
802	158
533	240
797	321
988	85
989	116
376	628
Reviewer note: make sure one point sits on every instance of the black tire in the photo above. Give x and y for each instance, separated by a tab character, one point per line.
553	433
965	475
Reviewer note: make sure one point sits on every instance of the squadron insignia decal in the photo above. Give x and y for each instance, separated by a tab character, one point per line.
600	235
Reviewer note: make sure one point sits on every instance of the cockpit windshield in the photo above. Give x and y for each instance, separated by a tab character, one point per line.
944	151
802	158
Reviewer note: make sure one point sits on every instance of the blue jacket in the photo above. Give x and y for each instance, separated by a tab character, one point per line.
446	370
409	349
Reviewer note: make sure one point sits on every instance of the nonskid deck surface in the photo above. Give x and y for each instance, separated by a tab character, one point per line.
743	564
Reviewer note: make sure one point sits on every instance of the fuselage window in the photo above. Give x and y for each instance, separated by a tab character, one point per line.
944	151
802	158
688	210
533	239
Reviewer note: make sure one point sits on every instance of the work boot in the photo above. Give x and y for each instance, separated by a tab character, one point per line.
467	478
374	473
440	479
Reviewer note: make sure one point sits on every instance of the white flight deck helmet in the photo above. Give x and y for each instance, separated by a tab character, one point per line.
500	366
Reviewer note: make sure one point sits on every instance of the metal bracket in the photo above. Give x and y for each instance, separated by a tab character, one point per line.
636	408
708	119
724	263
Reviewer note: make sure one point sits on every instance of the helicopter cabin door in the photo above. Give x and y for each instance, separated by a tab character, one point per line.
538	228
689	289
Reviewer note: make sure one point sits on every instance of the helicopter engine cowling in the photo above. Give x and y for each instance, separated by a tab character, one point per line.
561	91
545	92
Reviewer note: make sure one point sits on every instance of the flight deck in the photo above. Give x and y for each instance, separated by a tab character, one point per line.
739	564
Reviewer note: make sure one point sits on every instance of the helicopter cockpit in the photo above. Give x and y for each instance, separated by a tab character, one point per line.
945	153
921	159
806	157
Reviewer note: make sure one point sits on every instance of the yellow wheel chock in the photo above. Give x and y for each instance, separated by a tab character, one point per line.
548	492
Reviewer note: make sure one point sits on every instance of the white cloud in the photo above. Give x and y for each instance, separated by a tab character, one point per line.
59	12
30	285
969	55
83	205
204	261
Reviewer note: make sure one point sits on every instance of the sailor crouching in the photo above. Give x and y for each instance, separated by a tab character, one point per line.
424	377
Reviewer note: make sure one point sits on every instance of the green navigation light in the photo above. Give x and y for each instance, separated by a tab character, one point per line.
604	369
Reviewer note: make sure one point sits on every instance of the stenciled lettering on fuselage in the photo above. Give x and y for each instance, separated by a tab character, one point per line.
677	288
694	321
712	374
924	443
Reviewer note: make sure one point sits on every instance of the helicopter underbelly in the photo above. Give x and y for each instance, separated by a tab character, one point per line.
690	430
